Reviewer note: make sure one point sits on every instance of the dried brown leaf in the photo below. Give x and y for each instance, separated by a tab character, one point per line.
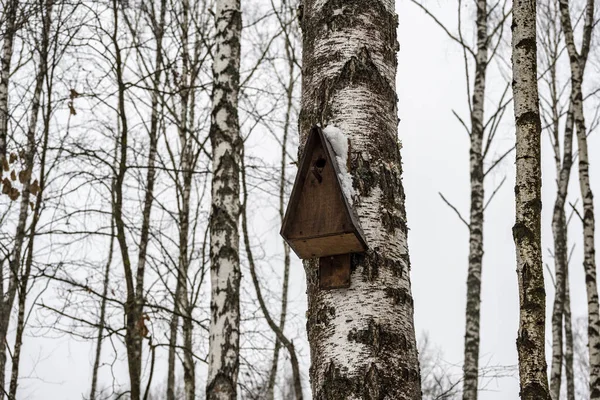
34	188
14	194
24	176
6	186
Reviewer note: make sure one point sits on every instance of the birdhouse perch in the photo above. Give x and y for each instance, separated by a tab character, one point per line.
319	220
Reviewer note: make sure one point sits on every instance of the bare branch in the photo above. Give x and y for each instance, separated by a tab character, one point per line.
455	209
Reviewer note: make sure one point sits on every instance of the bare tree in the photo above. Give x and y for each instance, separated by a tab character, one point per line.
552	112
223	357
578	60
489	30
136	329
46	7
527	228
10	30
286	17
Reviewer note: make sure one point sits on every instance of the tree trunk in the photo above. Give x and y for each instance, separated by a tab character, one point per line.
102	319
282	186
7	53
527	228
187	167
297	383
472	315
135	329
26	193
223	357
362	339
578	62
559	232
570	378
6	296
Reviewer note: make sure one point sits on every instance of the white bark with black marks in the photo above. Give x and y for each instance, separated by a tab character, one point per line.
578	60
527	228
362	339
223	356
476	156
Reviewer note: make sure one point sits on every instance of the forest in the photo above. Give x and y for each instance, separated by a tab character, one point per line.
299	199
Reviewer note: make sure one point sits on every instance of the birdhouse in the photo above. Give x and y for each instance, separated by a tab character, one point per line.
319	220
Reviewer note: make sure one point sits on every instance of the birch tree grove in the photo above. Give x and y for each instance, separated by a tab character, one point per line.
362	339
527	228
223	357
142	141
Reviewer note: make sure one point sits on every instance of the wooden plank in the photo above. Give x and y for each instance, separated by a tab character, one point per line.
319	208
334	272
327	245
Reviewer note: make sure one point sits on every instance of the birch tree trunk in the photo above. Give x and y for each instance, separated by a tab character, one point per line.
223	356
569	375
187	168
551	38
7	295
289	89
472	315
102	319
5	61
527	228
578	62
362	339
135	329
559	232
133	307
46	11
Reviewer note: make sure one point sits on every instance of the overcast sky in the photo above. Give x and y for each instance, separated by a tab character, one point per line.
430	84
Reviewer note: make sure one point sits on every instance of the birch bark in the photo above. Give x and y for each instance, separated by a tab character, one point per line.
223	357
289	88
473	310
550	38
102	319
7	295
26	194
5	61
559	231
362	339
184	187
569	375
187	168
578	62
527	228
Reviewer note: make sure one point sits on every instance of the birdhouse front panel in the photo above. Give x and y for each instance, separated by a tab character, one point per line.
319	221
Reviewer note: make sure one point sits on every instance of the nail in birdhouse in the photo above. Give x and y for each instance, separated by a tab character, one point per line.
319	220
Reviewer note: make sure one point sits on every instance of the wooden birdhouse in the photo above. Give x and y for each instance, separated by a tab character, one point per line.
319	220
